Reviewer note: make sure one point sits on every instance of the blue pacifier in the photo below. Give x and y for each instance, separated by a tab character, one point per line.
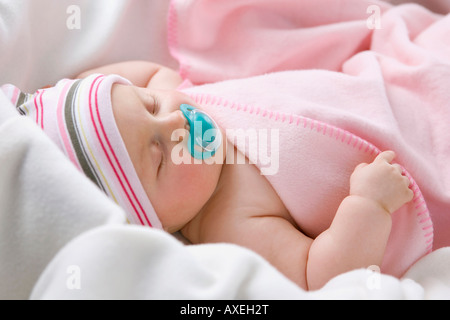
205	136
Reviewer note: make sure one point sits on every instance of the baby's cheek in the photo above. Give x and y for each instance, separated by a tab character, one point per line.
197	181
189	176
185	191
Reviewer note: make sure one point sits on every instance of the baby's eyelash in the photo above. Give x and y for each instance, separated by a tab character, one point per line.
151	103
156	105
161	164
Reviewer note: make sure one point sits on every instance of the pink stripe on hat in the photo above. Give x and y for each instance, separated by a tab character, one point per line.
77	115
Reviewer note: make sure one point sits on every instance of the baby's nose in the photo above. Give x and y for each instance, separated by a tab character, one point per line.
173	121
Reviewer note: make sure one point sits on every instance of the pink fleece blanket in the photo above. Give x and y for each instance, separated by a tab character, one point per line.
364	74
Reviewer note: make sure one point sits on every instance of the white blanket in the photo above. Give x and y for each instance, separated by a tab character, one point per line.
61	238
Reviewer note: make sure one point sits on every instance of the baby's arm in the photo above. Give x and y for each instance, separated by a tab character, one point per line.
358	235
141	74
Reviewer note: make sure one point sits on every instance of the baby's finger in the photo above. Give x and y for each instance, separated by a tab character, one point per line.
399	168
409	192
407	182
387	156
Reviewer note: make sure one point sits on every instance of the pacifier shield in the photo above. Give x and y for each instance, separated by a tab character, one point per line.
205	137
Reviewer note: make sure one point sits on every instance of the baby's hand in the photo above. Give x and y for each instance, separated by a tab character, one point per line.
382	182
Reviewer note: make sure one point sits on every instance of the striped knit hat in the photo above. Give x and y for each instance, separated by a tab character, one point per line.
77	115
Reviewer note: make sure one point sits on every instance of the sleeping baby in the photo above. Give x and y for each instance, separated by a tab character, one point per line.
127	126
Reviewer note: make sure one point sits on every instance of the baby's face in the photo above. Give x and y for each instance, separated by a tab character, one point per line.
146	119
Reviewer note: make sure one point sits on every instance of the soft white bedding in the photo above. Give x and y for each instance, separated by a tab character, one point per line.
61	238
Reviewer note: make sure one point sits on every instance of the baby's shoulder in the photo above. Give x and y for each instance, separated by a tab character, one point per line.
242	194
